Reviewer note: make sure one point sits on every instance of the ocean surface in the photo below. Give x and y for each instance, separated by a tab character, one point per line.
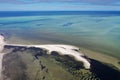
95	30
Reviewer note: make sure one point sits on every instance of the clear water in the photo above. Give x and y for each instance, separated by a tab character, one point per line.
99	31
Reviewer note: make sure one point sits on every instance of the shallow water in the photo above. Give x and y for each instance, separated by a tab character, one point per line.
99	33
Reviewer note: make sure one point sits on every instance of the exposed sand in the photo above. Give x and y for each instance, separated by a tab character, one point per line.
62	50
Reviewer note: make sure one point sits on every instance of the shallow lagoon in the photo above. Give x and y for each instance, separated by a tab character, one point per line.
99	33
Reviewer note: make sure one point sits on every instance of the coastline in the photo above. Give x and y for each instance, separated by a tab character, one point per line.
107	59
62	49
97	62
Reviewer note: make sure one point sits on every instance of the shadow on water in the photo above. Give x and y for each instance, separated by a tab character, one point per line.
103	71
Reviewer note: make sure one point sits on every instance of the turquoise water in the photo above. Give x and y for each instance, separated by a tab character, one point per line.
99	33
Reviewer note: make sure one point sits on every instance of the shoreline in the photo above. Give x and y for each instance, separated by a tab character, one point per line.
62	49
105	58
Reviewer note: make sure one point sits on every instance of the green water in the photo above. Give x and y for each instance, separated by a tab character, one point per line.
99	33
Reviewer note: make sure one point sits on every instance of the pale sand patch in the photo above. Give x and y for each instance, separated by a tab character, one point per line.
62	49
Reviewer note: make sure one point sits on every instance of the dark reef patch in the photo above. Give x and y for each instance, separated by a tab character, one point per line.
67	61
103	71
39	24
67	24
118	62
20	22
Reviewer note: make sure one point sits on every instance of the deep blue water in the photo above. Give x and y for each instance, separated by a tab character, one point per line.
36	13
